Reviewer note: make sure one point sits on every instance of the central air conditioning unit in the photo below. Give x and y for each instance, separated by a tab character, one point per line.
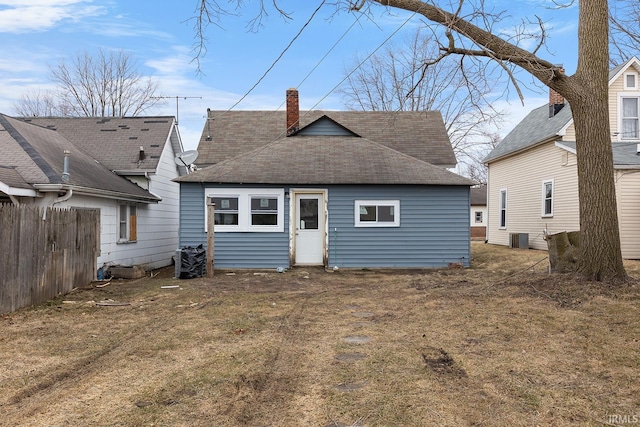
519	240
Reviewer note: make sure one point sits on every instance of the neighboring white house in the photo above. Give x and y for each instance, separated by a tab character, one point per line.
122	166
478	212
533	181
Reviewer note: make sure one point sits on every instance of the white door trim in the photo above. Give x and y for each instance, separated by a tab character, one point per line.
322	211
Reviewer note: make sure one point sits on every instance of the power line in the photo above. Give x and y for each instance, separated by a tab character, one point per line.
279	56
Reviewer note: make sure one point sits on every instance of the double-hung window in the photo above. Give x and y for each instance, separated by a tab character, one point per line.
127	223
247	209
630	117
547	198
377	213
503	208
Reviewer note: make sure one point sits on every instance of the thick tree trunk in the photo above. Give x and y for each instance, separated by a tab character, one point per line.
600	255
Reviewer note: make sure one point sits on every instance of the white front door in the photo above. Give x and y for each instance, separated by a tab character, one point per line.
309	229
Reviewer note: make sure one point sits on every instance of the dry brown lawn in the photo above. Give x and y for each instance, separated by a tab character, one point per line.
499	344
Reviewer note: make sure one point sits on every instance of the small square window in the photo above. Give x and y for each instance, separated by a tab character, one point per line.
630	81
478	216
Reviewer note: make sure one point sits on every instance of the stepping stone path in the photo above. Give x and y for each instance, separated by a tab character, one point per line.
354	357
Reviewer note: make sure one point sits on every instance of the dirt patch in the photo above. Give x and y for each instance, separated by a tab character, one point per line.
500	344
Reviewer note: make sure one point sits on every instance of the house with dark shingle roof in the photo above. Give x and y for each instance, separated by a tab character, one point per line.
123	167
329	188
478	212
533	178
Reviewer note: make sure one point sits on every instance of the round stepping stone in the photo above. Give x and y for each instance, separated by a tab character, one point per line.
350	357
347	387
357	339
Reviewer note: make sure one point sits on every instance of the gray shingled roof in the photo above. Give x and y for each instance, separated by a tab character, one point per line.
625	154
535	128
478	196
37	154
114	142
419	134
10	176
325	160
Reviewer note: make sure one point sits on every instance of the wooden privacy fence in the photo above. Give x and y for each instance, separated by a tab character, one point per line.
45	252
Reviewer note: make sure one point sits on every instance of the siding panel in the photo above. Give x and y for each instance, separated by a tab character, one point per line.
434	230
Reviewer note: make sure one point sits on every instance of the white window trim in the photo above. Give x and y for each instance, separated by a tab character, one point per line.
621	96
128	223
543	213
501	208
624	79
475	215
244	196
396	213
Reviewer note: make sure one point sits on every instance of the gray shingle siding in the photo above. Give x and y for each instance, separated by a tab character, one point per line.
434	230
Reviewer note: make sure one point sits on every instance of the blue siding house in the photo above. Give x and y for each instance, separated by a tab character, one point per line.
334	189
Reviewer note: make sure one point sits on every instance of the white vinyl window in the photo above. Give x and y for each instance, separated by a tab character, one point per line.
503	208
631	80
478	216
547	198
630	117
127	223
377	213
247	209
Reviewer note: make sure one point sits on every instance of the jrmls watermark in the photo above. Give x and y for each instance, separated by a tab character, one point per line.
619	419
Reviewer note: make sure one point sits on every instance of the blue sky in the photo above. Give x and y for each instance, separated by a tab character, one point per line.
159	35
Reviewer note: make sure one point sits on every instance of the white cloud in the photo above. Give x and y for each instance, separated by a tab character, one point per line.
20	16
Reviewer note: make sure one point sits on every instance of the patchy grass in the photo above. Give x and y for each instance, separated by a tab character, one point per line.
499	344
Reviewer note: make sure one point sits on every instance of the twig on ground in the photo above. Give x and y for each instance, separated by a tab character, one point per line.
521	271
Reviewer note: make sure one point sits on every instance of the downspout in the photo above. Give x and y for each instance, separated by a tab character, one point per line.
60	199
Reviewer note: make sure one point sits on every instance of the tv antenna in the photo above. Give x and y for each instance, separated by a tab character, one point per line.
178	98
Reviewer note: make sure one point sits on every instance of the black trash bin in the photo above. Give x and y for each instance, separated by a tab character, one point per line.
193	262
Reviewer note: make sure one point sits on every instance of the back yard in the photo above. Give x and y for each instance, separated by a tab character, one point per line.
500	344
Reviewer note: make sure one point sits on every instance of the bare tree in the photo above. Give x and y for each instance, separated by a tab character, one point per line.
106	85
625	30
396	80
468	31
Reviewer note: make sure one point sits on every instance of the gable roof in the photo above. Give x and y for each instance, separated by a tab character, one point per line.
307	160
422	135
537	127
36	154
115	141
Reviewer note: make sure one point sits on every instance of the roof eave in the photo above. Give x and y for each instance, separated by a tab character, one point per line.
515	152
105	194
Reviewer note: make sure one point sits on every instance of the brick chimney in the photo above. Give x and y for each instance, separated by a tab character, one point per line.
293	111
556	101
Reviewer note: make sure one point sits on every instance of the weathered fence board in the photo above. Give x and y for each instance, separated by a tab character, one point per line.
44	253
